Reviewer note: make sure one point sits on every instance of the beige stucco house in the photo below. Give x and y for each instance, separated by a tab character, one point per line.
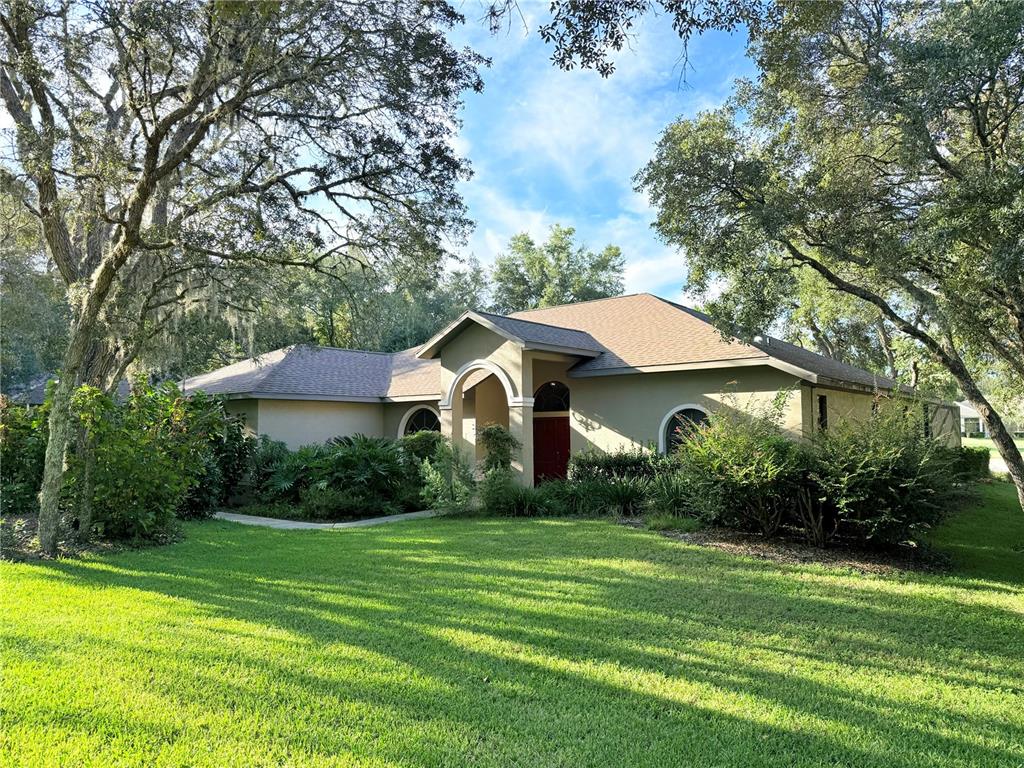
609	374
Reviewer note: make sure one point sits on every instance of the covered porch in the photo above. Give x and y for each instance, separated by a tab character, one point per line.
496	370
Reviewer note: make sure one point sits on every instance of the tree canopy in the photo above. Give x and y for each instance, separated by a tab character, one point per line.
171	150
880	149
557	271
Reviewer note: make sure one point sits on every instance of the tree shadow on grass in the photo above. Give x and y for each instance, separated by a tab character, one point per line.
540	644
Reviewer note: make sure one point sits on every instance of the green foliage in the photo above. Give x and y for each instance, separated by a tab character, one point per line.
146	456
634	463
884	480
740	468
448	482
23	437
226	465
970	462
421	445
499	448
503	496
625	496
672	493
557	272
909	111
35	310
360	475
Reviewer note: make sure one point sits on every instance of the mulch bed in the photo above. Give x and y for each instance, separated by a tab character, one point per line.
793	551
19	541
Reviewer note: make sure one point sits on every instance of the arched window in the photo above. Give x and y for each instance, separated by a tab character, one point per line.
422	420
553	396
678	424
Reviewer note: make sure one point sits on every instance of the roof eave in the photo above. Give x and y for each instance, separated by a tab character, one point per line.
573	351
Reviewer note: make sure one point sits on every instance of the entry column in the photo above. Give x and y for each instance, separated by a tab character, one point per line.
520	424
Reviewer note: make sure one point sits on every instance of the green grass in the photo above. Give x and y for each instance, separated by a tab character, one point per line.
510	643
984	442
987	540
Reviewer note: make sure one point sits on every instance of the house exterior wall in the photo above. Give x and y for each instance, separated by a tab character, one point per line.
610	413
248	410
478	343
303	422
393	414
844	404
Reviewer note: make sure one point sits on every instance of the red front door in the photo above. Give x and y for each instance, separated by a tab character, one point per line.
550	447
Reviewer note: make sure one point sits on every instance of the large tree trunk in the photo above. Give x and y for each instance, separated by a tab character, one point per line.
997	430
62	429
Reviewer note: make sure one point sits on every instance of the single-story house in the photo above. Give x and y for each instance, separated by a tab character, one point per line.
972	425
608	374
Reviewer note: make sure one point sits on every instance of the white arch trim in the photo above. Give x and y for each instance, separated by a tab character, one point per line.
408	415
487	365
662	444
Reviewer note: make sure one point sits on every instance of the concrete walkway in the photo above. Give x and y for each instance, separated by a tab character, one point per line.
290	525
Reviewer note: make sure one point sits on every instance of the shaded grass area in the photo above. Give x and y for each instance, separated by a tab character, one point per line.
505	642
987	539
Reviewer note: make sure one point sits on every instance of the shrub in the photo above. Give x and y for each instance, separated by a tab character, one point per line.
564	497
23	438
145	456
672	493
969	463
625	496
886	481
421	445
368	470
741	469
635	463
448	483
502	495
292	472
499	447
325	502
225	463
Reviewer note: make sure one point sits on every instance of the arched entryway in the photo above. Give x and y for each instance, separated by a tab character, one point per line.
480	394
550	431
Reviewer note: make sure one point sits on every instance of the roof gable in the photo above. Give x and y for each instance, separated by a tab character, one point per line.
526	333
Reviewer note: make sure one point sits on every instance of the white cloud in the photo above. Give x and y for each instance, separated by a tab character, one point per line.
551	146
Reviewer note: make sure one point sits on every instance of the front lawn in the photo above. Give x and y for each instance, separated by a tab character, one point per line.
500	642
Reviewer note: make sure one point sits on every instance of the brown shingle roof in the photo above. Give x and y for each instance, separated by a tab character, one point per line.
644	331
324	372
615	335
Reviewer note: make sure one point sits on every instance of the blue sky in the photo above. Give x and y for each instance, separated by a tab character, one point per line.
549	146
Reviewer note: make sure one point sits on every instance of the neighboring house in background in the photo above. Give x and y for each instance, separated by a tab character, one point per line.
972	425
35	393
608	374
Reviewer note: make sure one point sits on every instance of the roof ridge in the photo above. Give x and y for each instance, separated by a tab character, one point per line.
533	322
577	303
345	349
